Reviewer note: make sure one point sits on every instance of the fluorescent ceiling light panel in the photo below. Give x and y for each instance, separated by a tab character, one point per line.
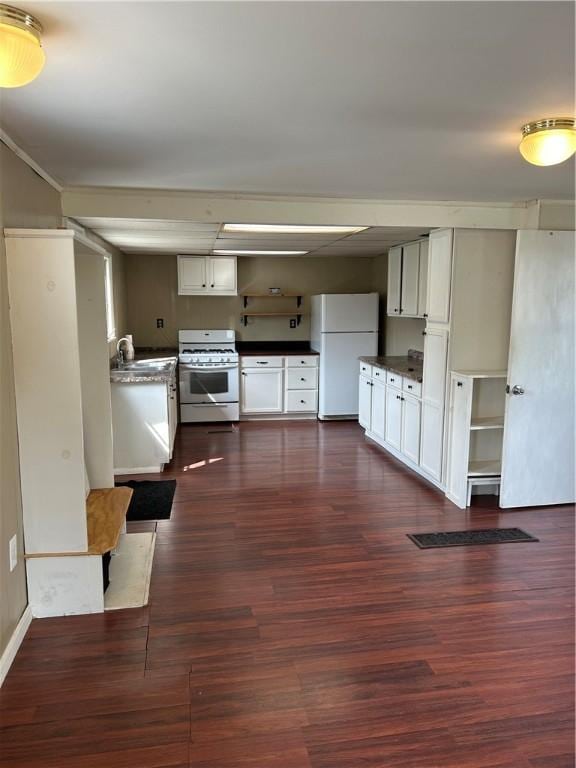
291	229
259	253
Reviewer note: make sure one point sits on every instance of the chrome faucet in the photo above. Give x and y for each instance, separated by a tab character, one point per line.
120	353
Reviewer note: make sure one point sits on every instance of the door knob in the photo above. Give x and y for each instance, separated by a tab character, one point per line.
515	390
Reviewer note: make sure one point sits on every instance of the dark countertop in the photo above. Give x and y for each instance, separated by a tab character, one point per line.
266	348
410	367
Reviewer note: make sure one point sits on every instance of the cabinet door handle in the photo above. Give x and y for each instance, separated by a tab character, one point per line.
302	378
409	386
425	314
243	373
262	362
395	309
423	333
203	285
303	401
302	362
212	285
458	383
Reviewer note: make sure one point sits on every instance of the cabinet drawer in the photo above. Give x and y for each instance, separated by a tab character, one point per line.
365	369
250	361
393	379
302	361
412	387
302	379
301	400
378	373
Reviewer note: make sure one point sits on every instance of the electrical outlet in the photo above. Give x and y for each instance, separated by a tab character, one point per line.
293	323
159	322
13	547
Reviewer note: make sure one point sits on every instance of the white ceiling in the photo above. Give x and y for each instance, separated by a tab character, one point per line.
170	237
389	100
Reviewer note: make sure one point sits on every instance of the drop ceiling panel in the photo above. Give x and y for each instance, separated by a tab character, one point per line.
168	237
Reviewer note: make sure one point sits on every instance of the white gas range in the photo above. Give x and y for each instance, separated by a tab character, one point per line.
208	373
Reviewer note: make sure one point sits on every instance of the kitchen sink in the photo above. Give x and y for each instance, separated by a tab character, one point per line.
144	366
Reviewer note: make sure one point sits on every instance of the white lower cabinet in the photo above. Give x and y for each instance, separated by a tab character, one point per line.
411	428
378	409
139	448
365	402
262	390
393	433
392	413
301	400
432	437
275	386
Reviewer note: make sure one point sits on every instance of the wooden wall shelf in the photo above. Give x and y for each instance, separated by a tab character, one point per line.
297	296
245	315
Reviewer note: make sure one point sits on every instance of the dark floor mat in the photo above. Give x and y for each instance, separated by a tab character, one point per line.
151	500
469	538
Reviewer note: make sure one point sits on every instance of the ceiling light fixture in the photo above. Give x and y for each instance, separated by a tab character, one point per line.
21	54
258	253
549	141
292	229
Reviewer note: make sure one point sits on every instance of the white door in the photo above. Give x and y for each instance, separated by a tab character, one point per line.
439	275
410	269
432	439
262	391
192	274
423	279
393	417
365	402
538	448
394	280
434	368
222	274
378	417
411	429
338	391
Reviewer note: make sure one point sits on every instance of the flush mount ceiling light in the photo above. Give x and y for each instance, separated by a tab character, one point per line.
292	229
548	141
258	253
21	54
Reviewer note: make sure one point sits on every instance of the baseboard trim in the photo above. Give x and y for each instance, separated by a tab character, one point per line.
407	462
14	643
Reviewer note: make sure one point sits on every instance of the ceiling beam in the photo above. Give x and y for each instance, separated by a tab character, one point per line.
118	203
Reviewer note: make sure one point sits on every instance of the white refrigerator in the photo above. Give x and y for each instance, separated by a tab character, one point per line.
344	327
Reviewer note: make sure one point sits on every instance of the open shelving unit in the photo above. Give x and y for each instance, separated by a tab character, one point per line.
297	315
477	402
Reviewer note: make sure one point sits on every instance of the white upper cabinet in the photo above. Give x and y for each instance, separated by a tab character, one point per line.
207	275
410	269
423	279
407	279
222	274
394	280
439	276
192	274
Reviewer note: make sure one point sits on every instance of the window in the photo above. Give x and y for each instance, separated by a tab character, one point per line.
110	324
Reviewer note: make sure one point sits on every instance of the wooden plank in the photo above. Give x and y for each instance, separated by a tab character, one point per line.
106	510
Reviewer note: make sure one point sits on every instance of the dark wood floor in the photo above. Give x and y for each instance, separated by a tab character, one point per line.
293	625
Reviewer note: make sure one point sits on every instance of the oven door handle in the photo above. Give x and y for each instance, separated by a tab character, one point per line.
187	367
